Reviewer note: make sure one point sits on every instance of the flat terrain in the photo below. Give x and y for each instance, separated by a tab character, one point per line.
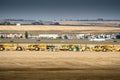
53	27
100	23
59	41
44	65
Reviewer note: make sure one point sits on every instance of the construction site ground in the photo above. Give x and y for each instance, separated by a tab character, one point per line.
62	65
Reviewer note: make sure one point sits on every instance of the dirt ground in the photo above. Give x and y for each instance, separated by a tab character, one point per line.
44	65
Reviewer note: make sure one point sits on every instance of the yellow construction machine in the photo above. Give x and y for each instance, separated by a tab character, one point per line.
117	47
40	47
84	48
36	47
103	48
8	47
67	47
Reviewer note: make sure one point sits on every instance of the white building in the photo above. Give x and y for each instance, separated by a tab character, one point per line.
18	24
52	36
96	39
80	36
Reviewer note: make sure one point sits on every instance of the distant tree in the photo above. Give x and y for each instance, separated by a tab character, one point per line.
5	23
56	23
1	36
26	35
37	23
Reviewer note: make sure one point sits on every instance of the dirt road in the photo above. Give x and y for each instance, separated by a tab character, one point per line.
31	65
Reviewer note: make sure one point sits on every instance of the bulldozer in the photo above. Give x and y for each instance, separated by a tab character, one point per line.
9	47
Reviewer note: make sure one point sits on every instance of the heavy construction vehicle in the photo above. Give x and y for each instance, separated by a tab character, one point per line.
84	48
40	47
8	47
108	48
36	47
103	48
63	47
97	48
74	48
51	48
29	47
43	47
117	48
69	48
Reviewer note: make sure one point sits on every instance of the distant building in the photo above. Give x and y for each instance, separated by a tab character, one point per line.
33	36
18	24
11	35
50	36
102	36
96	39
80	36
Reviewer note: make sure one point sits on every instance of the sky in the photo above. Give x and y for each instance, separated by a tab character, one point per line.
59	9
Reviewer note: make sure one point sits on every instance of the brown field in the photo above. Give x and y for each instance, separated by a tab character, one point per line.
44	65
52	27
100	23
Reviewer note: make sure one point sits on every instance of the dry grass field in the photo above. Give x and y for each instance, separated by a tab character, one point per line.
31	65
107	23
53	27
